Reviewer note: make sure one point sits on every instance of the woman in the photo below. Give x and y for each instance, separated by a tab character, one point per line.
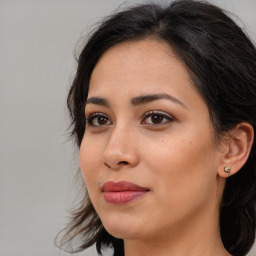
163	108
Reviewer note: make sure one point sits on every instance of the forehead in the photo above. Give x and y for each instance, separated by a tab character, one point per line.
134	59
141	67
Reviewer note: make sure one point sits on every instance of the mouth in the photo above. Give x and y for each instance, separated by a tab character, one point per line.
122	192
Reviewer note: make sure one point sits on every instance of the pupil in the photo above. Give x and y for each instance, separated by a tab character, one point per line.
102	120
157	119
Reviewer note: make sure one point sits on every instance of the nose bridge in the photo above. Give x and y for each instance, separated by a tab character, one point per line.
120	148
121	133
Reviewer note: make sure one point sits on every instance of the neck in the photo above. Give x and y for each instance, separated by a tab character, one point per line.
175	248
198	236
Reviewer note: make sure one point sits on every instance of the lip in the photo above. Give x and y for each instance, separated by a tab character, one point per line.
122	192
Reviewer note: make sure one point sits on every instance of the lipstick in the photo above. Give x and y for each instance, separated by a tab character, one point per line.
122	192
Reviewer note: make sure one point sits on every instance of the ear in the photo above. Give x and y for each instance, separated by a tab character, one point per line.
236	149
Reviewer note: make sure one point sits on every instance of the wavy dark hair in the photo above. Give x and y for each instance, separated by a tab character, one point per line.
221	61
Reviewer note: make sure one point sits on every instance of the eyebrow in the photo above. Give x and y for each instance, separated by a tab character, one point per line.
144	99
97	101
136	101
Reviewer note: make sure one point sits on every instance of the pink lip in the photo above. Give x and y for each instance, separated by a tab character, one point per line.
122	192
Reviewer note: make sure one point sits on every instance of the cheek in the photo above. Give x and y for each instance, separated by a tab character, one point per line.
174	152
89	161
182	167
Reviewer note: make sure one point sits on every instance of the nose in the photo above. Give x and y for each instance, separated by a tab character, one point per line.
120	150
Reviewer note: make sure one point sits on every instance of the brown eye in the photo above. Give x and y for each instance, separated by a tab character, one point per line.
98	119
101	120
156	118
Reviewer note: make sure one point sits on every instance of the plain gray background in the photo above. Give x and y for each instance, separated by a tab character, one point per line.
37	38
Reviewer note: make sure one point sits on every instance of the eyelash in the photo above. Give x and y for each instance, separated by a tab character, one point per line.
168	118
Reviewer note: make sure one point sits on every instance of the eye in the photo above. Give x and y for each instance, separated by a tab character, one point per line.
98	119
156	118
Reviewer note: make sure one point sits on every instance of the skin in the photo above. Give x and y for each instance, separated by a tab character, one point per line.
175	157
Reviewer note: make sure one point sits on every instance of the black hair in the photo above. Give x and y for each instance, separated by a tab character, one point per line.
221	61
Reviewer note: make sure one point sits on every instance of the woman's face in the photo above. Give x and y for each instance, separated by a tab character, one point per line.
148	155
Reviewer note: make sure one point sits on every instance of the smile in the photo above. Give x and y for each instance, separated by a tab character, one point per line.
122	192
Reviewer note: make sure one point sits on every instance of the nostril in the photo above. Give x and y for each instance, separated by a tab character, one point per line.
117	165
123	163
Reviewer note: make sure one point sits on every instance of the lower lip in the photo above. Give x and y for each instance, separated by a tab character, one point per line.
122	197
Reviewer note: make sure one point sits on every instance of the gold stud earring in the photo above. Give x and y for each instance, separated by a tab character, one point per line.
227	169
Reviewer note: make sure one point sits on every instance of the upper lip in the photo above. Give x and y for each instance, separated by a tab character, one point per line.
111	186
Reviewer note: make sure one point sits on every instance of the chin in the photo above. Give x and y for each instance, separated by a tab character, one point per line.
122	227
122	233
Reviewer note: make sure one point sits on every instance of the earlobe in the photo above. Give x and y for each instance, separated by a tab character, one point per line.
237	149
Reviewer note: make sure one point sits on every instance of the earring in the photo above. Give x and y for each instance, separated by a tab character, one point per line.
227	169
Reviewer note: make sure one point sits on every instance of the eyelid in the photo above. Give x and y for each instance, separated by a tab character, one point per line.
88	116
160	112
